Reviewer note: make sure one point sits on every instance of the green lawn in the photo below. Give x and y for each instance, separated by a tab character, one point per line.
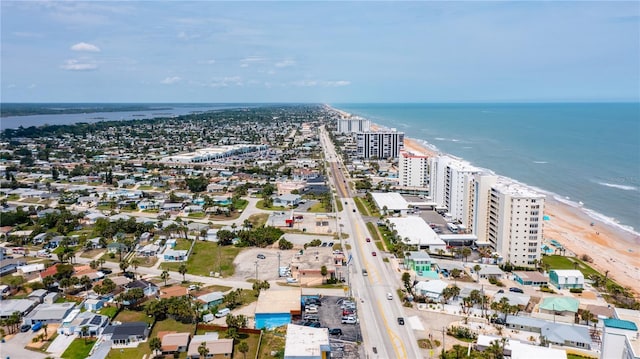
182	243
127	315
362	208
109	311
204	259
258	219
561	262
317	208
260	205
338	204
143	348
196	215
145	188
78	349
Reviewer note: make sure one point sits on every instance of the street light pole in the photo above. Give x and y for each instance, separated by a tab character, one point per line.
278	264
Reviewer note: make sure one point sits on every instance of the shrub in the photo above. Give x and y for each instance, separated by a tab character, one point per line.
575	290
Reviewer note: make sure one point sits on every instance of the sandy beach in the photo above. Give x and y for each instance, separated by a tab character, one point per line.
610	247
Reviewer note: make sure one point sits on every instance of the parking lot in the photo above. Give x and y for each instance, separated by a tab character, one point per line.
329	315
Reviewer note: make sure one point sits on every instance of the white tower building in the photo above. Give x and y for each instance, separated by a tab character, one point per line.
413	170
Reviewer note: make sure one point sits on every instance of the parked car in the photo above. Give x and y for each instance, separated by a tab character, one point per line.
389	296
501	291
25	328
130	275
312	324
401	320
373	254
516	290
368	239
349	320
335	331
261	256
498	321
364	272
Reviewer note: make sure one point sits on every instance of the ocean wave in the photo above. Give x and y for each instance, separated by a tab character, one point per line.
618	186
541	162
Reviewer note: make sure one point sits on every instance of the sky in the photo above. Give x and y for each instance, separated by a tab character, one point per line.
321	52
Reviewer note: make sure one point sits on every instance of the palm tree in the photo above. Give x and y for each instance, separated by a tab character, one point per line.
155	345
477	268
84	332
183	270
243	348
124	265
323	272
164	276
135	263
45	326
86	282
466	252
587	316
203	350
48	281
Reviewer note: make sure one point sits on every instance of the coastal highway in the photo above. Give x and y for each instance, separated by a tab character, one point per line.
383	337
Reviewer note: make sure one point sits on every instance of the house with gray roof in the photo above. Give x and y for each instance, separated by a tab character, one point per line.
49	313
576	336
22	306
126	333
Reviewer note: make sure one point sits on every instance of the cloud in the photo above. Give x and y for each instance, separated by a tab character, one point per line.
251	60
10	86
171	80
314	83
285	63
83	46
222	82
337	83
32	86
207	62
79	65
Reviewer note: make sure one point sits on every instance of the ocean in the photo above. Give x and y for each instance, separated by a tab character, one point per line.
584	154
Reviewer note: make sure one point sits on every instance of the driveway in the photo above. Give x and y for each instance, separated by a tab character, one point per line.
60	344
14	347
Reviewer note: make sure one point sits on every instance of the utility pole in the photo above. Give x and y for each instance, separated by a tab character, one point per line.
278	264
256	270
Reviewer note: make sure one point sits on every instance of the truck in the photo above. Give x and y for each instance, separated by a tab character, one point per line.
36	326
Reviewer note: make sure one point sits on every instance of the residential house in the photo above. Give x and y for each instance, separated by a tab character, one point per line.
116	247
74	322
431	289
218	348
149	250
126	334
92	217
22	306
49	313
566	278
173	255
95	243
534	278
564	306
577	336
10	265
287	200
490	271
174	342
94	304
211	300
418	262
38	295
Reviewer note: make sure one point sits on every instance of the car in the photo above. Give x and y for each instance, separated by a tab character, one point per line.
312	324
261	256
373	254
292	280
192	287
330	244
104	270
516	290
130	275
498	321
368	239
324	244
354	210
501	291
348	320
25	328
311	317
345	202
389	296
364	272
335	331
401	320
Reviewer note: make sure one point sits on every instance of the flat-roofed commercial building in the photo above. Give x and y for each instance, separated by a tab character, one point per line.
418	233
276	307
306	342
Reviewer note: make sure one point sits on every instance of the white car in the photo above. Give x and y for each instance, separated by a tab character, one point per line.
292	280
349	320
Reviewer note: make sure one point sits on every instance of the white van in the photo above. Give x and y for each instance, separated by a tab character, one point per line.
389	296
222	312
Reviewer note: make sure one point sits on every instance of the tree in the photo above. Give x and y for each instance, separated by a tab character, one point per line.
284	244
406	279
203	350
48	281
135	263
84	332
466	252
587	316
477	268
243	348
45	326
183	270
155	345
164	276
86	282
323	272
124	265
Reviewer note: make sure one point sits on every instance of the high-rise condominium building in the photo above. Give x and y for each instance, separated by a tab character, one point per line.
353	124
515	223
382	144
451	187
413	170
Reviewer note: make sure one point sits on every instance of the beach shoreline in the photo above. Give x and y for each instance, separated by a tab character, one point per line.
610	247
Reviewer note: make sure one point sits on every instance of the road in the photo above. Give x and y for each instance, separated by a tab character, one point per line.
378	315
